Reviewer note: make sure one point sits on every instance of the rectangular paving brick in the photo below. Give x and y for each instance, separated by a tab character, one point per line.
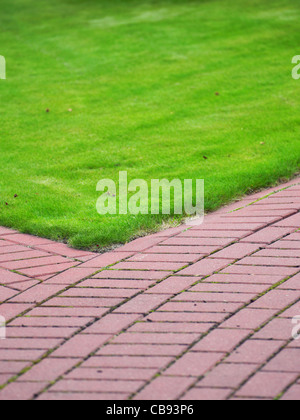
206	267
51	322
159	266
61	312
188	241
156	338
286	361
34	262
165	258
229	288
142	304
267	384
227	376
22	391
112	324
112	374
268	235
133	275
84	302
98	386
169	327
237	251
260	270
255	351
277	299
106	260
71	276
18	252
64	250
37	294
182	250
36	332
214	297
186	317
235	279
221	341
153	362
164	388
118	284
194	364
271	261
207	394
207	307
173	285
81	345
47	269
277	329
81	292
142	350
48	370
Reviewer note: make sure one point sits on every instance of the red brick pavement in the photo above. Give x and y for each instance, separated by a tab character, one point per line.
199	312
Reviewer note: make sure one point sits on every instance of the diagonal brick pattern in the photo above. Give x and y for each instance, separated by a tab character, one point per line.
197	312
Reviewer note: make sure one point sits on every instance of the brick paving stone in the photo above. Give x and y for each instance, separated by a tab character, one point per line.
81	345
277	329
222	341
143	303
268	235
156	338
270	261
227	376
206	394
165	388
186	317
117	284
106	260
159	266
214	297
153	362
267	384
207	307
51	322
42	311
98	386
48	370
260	270
133	275
206	267
142	374
255	351
139	330
170	327
173	285
237	251
21	391
80	396
71	276
166	258
142	350
286	361
194	364
249	319
244	279
293	394
37	294
34	262
277	299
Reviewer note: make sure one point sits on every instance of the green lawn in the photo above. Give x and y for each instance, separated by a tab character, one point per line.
141	78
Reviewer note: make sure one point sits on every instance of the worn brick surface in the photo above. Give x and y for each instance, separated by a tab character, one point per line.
200	311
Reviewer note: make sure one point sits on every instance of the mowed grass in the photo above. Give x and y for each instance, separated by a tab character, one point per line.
141	78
